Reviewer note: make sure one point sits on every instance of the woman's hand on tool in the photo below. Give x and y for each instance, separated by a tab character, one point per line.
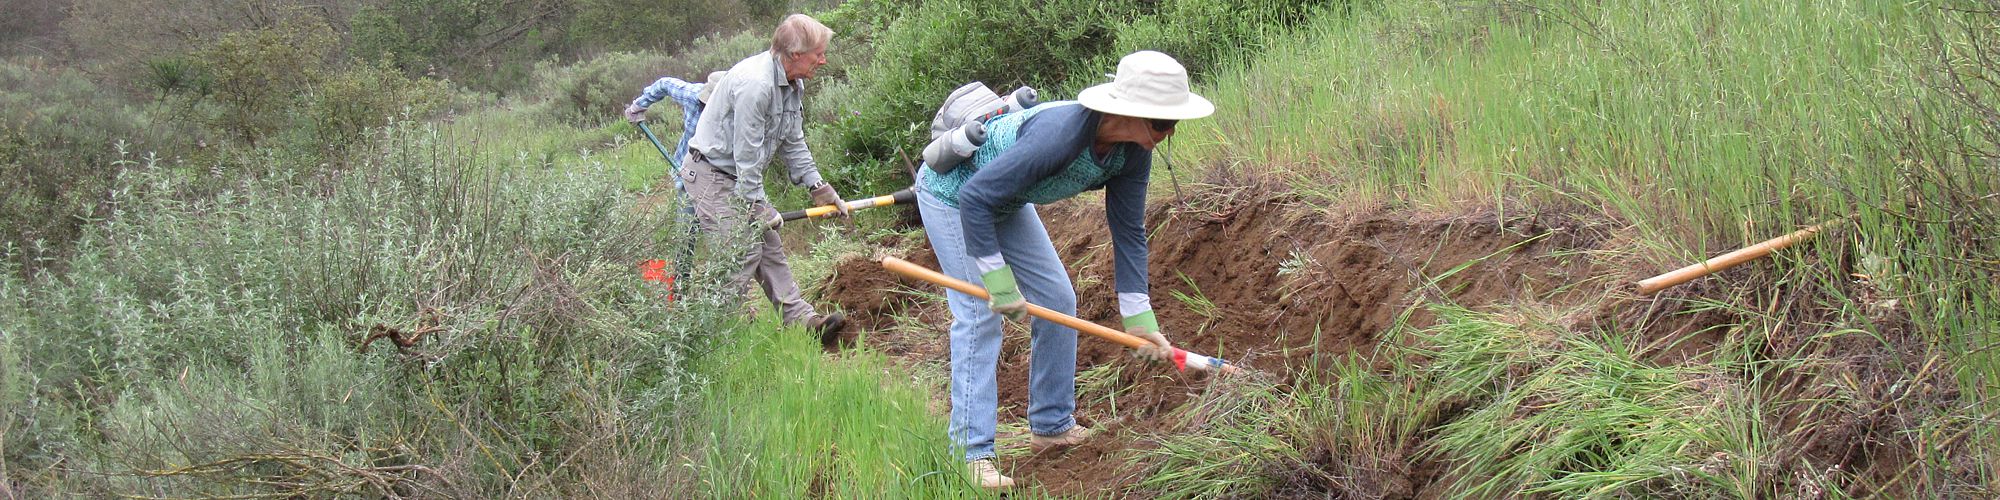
635	113
1003	295
1144	325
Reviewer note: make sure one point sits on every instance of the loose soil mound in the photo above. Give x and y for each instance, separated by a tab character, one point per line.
1278	285
1266	282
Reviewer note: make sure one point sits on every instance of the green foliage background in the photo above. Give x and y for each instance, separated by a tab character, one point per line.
207	207
920	51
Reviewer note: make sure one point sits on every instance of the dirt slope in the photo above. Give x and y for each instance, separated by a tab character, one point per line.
1279	285
1263	281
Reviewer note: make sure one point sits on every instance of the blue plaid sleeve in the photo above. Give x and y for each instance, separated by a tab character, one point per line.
682	92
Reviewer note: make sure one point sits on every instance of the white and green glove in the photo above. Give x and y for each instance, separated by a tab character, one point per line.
1145	326
1003	295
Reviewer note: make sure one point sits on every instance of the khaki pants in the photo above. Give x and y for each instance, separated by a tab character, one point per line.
725	218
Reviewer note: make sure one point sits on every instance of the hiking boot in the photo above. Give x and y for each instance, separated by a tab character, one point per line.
987	475
1072	437
828	327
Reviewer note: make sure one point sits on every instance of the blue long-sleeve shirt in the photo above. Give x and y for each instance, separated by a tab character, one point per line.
686	94
1047	144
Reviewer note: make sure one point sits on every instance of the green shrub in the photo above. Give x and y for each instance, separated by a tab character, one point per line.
283	87
596	90
922	51
60	141
222	344
343	105
258	73
415	36
656	24
940	45
18	404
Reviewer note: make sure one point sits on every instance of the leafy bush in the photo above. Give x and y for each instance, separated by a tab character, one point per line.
418	36
594	91
257	74
284	87
432	320
940	45
487	44
60	137
343	105
923	51
655	24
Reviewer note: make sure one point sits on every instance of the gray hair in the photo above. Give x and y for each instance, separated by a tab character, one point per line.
799	34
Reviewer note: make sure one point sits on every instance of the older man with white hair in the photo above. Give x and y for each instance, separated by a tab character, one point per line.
754	114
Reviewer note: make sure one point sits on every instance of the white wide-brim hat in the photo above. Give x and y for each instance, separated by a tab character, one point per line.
1149	84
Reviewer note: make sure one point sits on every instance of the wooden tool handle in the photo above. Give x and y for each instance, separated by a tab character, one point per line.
1728	260
1181	357
903	267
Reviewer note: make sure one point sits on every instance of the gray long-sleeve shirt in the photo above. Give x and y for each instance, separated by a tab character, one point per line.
754	114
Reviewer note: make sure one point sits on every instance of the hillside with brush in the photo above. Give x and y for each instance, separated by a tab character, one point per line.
398	248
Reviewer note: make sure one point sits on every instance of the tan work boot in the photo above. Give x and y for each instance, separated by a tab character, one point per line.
987	475
1072	437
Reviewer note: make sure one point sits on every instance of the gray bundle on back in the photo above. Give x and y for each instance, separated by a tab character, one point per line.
960	125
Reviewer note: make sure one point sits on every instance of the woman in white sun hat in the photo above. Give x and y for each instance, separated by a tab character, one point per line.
982	223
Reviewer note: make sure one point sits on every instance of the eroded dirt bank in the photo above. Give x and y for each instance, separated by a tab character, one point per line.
1279	285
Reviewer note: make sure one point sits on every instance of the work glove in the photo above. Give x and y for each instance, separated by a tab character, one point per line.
1145	326
635	113
823	194
765	217
1003	296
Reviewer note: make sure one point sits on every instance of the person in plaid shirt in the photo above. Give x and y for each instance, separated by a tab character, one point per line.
693	98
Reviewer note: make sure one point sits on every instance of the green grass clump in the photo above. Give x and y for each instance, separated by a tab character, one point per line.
782	419
1561	413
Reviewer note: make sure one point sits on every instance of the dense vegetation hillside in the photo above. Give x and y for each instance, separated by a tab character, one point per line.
388	248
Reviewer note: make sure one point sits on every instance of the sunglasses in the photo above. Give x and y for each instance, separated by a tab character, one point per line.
1162	126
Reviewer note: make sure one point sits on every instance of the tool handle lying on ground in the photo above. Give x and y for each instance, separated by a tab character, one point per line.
1182	358
1732	259
897	198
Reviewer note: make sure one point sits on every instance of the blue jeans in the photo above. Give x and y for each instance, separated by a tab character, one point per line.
975	330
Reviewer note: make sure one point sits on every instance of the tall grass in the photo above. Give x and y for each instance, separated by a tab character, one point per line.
1702	126
784	420
1561	413
1687	119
